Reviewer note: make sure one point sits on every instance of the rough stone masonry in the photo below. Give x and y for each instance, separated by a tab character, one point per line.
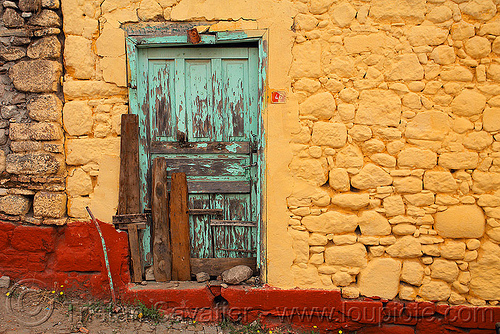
400	147
32	179
395	135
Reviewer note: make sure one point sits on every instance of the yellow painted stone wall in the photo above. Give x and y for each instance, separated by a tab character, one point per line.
383	167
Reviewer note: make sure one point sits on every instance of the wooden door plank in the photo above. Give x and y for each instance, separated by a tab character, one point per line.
215	266
162	255
133	239
179	228
129	186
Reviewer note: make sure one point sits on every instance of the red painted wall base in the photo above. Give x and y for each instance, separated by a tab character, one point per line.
72	256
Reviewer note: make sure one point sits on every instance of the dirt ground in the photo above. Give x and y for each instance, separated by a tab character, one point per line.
72	315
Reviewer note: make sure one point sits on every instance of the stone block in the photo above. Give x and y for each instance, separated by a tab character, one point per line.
445	270
409	185
462	30
478	140
306	60
91	89
35	131
373	223
459	160
111	42
412	272
46	18
77	118
114	70
405	67
456	73
420	199
81	151
383	159
12	19
393	206
435	290
461	221
12	53
491	119
378	107
78	57
37	76
312	170
331	222
392	11
428	125
320	106
45	107
48	204
15	204
46	47
329	134
32	163
479	9
452	249
380	278
468	103
415	157
485	272
339	179
76	207
79	183
343	14
423	35
346	255
351	201
26	146
30	5
443	55
360	132
405	247
149	10
349	157
371	176
440	182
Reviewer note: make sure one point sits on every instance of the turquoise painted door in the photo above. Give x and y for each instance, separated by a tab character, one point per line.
200	108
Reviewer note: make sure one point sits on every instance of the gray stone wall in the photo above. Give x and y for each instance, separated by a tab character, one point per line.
32	178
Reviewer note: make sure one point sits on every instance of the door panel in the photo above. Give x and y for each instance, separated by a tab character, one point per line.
203	118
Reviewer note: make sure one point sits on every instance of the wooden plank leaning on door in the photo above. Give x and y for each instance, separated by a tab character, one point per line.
162	253
128	198
179	228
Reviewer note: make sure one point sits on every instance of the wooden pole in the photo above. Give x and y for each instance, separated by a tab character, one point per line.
162	253
128	197
179	228
129	186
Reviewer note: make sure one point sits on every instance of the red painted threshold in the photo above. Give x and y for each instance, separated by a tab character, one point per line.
320	310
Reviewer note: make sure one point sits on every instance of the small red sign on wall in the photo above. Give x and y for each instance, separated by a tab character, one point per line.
278	96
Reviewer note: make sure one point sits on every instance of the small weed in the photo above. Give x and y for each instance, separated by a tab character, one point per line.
254	327
151	313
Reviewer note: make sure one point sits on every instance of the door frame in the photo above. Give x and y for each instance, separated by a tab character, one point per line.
175	35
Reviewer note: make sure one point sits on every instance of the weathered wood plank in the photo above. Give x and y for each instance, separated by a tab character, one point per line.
140	226
162	254
221	187
239	147
128	198
179	228
133	238
217	222
130	218
215	266
214	212
208	166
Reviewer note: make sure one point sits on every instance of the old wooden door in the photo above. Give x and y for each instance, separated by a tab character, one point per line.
200	104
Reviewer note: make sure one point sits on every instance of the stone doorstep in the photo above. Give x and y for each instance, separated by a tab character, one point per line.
326	309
